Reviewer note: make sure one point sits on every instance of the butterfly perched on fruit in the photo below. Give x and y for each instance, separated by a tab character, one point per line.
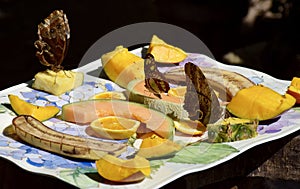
200	100
155	81
53	42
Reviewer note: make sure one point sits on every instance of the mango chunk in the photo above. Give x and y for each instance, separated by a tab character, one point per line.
260	103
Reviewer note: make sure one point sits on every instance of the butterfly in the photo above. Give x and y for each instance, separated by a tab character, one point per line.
53	42
200	101
155	81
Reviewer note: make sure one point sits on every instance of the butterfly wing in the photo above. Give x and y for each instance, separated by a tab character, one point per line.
155	81
53	42
150	68
200	100
156	86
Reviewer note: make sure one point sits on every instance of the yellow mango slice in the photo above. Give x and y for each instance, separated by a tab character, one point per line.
122	66
116	169
41	113
259	102
164	52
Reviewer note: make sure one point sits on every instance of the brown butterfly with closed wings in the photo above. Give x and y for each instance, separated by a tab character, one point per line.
155	81
200	100
53	42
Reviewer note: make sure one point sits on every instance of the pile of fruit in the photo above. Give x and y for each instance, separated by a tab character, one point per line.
115	116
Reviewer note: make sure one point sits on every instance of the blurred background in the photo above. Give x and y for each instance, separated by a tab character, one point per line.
260	34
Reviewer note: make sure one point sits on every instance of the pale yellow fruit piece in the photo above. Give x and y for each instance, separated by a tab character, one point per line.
41	113
164	52
57	83
122	66
177	91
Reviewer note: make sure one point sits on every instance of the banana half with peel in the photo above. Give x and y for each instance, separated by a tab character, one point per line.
39	135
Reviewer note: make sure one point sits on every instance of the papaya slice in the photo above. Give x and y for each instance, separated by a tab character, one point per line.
84	112
41	113
260	103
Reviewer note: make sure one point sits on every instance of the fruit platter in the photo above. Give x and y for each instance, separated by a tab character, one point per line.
153	119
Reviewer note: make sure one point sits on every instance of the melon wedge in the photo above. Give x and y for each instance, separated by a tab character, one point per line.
85	112
164	52
168	104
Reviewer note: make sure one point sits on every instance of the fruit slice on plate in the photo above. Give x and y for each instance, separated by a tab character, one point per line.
41	113
190	127
259	102
294	89
177	91
114	127
164	52
123	170
122	66
154	146
109	95
84	112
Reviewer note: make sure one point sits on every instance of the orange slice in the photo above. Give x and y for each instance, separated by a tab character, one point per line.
190	127
109	95
119	170
115	127
164	52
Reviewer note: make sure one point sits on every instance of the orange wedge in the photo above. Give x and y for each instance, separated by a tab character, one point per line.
115	127
164	52
119	170
109	95
190	127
